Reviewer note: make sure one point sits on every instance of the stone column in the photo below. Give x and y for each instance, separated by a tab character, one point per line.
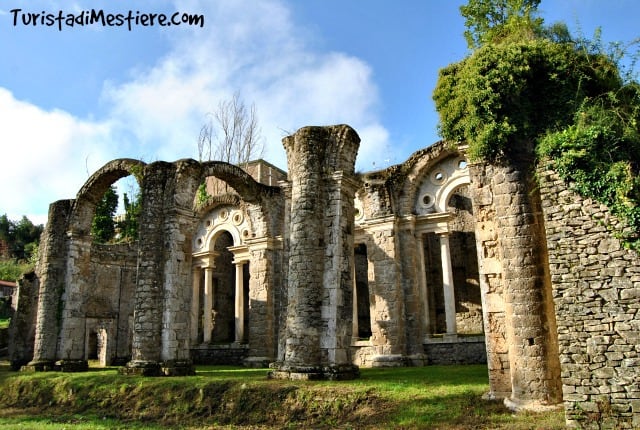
513	257
207	317
422	280
265	275
51	271
161	335
447	285
239	304
321	164
195	304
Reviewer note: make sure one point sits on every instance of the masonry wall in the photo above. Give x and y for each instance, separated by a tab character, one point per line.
596	287
108	303
22	332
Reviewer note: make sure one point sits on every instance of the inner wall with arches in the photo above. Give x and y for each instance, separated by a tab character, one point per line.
221	278
416	297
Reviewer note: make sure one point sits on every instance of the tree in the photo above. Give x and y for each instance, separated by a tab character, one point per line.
103	227
528	90
491	20
19	239
129	226
232	133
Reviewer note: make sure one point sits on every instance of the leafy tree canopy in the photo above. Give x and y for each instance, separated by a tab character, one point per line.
493	20
527	87
103	227
19	239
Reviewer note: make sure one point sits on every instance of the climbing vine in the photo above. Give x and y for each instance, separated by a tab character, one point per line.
506	95
600	153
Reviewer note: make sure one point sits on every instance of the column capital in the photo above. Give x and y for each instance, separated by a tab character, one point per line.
240	253
205	260
262	243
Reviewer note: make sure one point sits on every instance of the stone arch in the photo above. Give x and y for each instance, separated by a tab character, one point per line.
248	188
261	200
230	218
436	182
444	193
95	187
404	179
80	279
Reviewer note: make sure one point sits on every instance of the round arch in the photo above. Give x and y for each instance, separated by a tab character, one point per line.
248	188
95	187
223	218
446	191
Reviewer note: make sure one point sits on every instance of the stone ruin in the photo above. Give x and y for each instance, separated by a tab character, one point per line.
320	271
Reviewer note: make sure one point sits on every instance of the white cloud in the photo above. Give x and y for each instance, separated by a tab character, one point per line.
45	156
249	46
253	47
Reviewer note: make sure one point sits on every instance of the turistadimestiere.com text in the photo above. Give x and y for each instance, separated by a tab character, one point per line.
129	19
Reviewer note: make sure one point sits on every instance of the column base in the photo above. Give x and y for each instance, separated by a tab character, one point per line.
336	372
155	368
531	405
39	366
256	362
389	360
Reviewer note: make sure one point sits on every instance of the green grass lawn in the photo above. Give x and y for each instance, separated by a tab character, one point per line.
439	397
4	323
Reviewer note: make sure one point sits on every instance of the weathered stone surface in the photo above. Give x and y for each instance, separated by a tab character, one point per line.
331	270
320	280
594	308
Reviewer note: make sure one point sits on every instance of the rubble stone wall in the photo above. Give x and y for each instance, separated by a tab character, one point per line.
596	291
110	299
24	304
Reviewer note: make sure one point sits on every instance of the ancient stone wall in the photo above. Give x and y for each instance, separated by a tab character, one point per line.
596	291
22	331
462	350
108	304
223	354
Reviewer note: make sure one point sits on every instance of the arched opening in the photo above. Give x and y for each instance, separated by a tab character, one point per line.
362	302
460	259
101	274
224	282
464	261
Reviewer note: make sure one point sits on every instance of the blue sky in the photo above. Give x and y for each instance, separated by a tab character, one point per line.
74	99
